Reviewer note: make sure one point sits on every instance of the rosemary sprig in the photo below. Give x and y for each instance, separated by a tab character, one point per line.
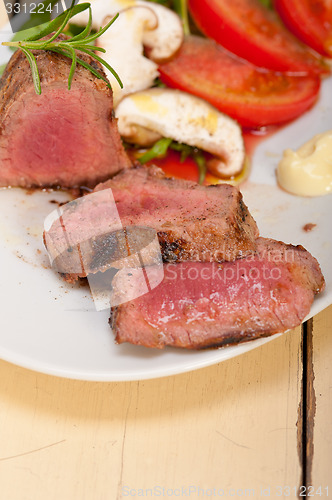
81	42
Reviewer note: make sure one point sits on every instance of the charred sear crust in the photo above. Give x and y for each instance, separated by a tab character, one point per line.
172	249
192	222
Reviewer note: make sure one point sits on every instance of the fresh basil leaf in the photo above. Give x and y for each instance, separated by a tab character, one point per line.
194	153
158	150
201	164
267	3
162	2
56	23
181	8
184	149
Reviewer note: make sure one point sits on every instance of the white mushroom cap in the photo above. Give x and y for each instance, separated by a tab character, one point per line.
139	24
123	43
101	9
164	41
186	119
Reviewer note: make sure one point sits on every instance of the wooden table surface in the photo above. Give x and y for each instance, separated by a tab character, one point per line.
258	425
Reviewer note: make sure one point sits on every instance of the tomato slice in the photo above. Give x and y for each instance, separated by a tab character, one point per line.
252	31
310	21
173	166
252	96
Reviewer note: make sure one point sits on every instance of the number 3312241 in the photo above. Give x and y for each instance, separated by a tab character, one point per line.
31	8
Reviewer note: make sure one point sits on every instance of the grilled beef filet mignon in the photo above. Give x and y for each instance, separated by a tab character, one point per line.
62	137
192	222
200	305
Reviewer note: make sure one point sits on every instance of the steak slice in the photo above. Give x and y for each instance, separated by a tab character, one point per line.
192	222
200	305
62	137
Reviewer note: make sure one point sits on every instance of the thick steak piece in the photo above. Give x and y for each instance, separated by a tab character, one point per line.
201	305
62	137
191	222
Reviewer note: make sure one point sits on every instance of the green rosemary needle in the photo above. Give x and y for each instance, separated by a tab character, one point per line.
81	42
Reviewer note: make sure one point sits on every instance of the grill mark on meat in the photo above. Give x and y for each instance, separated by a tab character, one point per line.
173	250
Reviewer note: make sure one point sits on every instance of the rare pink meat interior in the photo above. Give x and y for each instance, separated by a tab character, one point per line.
62	137
200	305
222	284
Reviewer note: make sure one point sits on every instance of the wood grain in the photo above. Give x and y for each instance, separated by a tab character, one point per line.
322	431
230	426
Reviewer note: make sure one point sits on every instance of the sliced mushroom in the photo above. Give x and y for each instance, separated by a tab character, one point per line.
165	39
123	43
140	24
145	116
100	10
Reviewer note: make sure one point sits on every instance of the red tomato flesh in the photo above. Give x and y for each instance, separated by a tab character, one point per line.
252	96
252	31
310	21
172	165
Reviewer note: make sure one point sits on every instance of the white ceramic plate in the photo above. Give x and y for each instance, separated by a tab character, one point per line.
51	327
